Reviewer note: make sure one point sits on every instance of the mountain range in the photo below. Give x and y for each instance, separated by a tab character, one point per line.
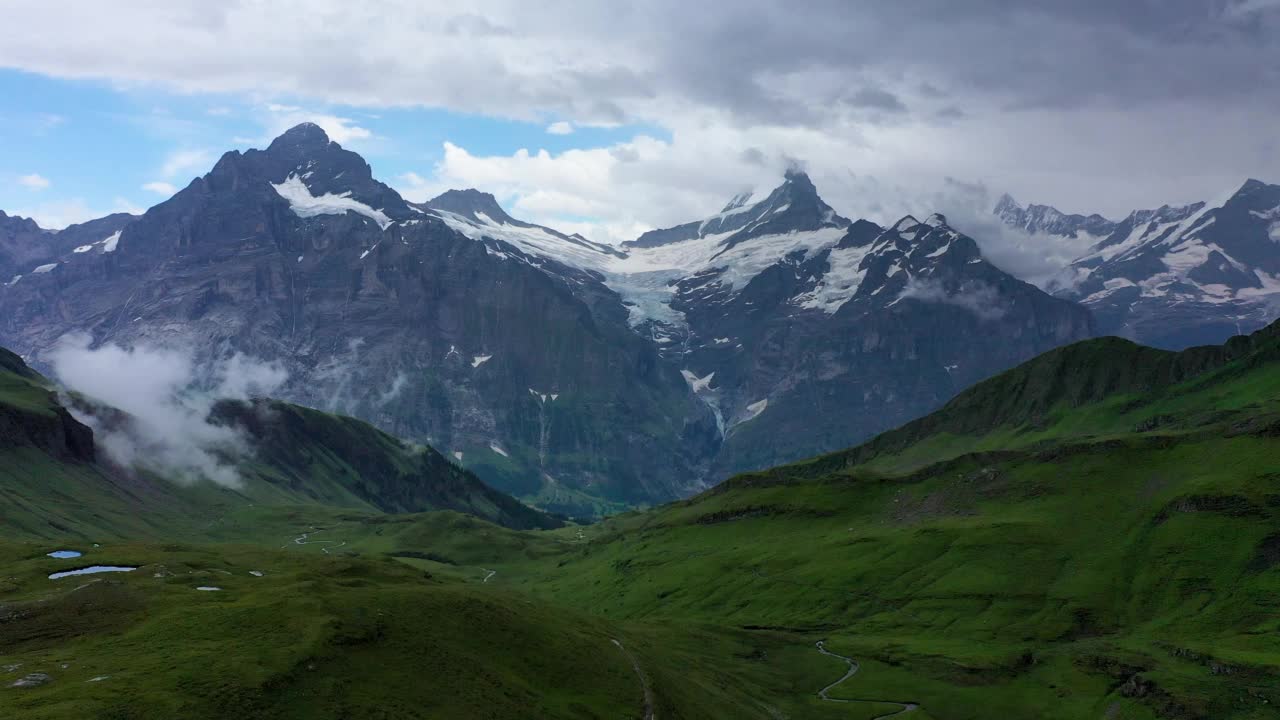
1171	277
578	376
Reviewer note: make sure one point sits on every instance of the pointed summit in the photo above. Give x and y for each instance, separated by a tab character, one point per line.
905	224
305	135
793	206
1256	194
936	220
1005	204
799	179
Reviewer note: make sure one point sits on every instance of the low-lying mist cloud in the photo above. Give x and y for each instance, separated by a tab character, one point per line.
167	397
976	297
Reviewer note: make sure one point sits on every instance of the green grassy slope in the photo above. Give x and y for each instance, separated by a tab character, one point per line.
1115	553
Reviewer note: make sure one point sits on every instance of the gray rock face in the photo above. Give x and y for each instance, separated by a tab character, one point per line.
523	369
1174	277
25	246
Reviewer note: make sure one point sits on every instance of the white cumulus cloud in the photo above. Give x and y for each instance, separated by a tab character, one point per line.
34	181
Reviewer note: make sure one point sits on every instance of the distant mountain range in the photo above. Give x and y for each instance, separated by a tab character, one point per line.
1174	276
579	376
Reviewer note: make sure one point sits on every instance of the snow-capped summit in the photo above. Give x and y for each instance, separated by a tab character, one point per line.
318	176
1047	220
723	252
792	206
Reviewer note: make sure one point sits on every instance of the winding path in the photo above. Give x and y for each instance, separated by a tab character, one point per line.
644	681
853	670
302	540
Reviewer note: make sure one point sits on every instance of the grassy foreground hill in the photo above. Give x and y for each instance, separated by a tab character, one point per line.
1095	534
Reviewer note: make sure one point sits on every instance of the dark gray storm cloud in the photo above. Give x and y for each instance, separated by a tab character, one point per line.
753	58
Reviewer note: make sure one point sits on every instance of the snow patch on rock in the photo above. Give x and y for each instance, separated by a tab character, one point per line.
306	205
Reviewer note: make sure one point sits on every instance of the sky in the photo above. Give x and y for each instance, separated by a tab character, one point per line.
610	119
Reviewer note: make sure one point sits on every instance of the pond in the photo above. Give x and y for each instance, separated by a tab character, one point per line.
91	571
65	554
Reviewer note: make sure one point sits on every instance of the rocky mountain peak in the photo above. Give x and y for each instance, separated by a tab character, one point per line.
1257	195
905	224
936	220
799	181
793	206
1048	220
1252	184
304	136
468	203
17	223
